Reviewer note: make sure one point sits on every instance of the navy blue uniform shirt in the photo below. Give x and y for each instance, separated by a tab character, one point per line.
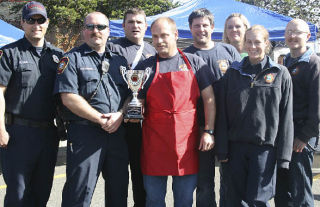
82	73
305	73
29	79
218	58
128	49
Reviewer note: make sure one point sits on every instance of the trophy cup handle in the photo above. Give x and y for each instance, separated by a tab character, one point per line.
147	72
123	71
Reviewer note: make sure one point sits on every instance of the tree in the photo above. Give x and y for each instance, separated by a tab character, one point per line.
66	16
308	10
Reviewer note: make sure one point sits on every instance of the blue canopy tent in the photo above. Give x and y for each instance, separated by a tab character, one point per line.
275	23
9	33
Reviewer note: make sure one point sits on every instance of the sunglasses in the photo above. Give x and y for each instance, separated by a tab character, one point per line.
32	20
98	26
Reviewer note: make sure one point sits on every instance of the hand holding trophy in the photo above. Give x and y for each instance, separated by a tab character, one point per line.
135	80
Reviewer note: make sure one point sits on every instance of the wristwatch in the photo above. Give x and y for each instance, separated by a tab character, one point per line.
209	131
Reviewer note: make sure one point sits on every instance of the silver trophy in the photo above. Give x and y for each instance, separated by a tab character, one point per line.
135	80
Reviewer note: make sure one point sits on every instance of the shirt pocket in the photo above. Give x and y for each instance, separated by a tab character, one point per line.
88	82
27	75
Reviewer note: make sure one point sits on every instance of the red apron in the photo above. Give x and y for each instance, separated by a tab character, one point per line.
170	128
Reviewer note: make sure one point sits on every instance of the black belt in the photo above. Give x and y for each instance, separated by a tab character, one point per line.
12	119
85	122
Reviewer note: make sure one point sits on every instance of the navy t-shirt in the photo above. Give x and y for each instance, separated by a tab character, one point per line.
175	64
128	49
218	58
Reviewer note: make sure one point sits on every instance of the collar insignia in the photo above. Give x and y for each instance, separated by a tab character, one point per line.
55	58
295	71
62	65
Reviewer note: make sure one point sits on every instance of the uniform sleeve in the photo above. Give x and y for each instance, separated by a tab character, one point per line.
221	128
285	128
311	126
204	74
67	79
6	66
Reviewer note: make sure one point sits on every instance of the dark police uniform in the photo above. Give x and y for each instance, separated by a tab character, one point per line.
92	150
128	49
294	186
28	161
218	58
256	115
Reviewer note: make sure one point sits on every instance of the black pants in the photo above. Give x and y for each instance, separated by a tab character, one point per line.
90	151
28	165
134	140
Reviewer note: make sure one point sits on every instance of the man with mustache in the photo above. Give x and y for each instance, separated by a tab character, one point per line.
171	138
294	185
28	137
218	56
93	91
134	49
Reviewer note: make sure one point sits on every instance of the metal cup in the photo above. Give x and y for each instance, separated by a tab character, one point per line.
135	80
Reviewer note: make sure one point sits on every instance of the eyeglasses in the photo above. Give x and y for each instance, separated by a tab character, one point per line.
32	20
295	33
100	27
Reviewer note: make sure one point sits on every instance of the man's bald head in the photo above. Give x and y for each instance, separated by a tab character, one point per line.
303	26
162	20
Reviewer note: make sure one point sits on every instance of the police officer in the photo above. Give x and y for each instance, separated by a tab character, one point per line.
218	56
134	49
28	137
93	91
255	114
294	186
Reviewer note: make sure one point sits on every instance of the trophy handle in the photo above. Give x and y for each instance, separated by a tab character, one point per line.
147	72
123	71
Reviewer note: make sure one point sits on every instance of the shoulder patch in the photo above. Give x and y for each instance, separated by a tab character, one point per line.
1	52
62	65
269	78
223	65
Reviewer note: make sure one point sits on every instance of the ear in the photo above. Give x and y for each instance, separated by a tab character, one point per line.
123	25
176	34
308	36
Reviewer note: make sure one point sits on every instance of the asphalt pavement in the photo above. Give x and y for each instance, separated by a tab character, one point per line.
98	197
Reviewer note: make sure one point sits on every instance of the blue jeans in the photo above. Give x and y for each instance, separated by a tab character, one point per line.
294	186
182	187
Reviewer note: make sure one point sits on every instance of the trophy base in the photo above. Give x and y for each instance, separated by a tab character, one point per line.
134	112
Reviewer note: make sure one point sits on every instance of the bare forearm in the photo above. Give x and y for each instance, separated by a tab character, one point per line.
79	106
209	107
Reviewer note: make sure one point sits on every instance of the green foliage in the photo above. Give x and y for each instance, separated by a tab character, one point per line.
66	16
308	10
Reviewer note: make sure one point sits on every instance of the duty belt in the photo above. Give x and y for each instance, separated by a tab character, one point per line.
13	119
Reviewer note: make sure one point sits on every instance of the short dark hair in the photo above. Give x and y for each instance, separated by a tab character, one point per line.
201	13
134	11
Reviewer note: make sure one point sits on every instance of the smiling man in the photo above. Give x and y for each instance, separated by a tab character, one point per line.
134	49
171	138
218	56
28	137
93	91
294	186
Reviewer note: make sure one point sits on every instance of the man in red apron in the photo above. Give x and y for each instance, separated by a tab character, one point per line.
171	138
